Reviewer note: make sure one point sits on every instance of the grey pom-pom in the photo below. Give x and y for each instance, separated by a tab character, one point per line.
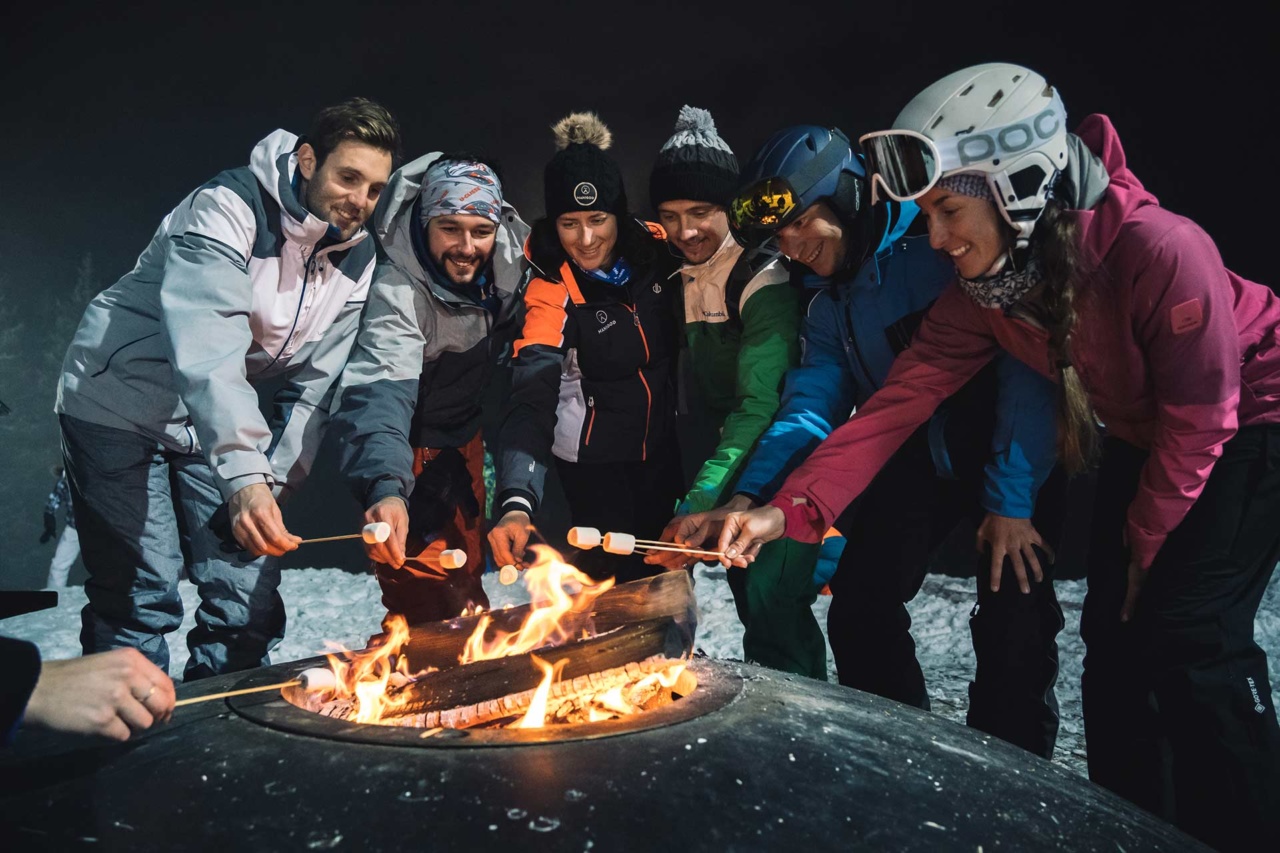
582	127
695	119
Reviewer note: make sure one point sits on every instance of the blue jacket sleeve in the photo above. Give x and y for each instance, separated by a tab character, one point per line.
1024	445
817	397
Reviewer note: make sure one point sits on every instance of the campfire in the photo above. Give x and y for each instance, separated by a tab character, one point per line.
580	652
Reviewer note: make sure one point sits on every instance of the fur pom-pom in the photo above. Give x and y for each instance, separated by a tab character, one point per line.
582	127
696	119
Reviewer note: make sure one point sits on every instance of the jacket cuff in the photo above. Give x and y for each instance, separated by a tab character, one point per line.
22	671
230	487
385	488
803	521
516	499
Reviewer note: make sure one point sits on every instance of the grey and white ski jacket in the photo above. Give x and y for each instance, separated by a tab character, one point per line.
239	286
426	347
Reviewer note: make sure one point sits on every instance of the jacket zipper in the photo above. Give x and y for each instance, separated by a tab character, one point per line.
591	422
306	280
648	406
857	352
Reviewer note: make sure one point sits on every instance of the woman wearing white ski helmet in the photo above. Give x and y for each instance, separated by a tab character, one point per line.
1069	263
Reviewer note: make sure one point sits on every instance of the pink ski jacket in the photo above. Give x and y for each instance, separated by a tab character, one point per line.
1176	352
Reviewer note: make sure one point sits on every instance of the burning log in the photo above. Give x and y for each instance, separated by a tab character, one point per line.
568	701
486	680
439	644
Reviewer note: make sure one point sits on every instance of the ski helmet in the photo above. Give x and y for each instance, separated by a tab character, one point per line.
1002	120
796	167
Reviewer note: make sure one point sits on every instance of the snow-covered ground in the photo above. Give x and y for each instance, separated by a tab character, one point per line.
334	605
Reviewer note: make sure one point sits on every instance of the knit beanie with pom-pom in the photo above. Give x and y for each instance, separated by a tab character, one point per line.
695	163
581	176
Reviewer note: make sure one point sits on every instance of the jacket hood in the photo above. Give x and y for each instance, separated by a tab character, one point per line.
275	164
1101	214
394	222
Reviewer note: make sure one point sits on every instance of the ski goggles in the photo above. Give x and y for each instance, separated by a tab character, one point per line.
765	204
906	164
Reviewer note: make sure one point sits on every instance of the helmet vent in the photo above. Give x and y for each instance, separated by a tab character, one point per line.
995	99
1017	77
937	121
967	90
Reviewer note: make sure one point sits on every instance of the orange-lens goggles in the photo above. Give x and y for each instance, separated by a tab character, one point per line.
765	204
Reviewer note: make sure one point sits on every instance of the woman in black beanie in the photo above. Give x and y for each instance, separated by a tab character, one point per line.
594	368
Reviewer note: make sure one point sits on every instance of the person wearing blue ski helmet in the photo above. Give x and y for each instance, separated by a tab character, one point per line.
806	191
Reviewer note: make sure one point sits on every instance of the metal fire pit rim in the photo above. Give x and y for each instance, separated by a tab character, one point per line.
718	687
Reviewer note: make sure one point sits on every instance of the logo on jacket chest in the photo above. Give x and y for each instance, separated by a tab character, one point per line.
602	317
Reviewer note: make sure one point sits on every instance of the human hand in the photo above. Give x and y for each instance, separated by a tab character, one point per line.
1137	577
394	511
744	532
257	524
1012	538
50	528
693	531
509	537
112	694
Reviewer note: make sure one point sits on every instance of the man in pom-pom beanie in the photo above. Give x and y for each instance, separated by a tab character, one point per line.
742	323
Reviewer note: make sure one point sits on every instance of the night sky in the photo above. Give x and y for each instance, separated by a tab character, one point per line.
113	114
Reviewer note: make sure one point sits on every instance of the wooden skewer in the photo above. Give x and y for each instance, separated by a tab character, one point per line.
332	538
678	550
224	695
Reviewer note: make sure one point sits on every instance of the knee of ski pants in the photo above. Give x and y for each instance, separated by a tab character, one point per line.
1016	630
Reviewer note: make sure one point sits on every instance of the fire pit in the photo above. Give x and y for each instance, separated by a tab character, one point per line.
740	758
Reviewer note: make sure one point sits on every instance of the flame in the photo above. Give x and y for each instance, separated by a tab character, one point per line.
364	675
556	589
536	716
558	593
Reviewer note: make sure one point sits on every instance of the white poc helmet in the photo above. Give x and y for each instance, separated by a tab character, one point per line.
1000	119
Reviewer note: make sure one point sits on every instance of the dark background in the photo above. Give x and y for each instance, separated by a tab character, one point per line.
112	115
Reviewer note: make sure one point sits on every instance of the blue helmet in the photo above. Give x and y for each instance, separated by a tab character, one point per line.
796	167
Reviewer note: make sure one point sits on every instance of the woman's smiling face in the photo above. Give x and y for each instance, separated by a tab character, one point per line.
970	230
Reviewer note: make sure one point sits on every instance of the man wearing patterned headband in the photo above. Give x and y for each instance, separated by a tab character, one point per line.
442	312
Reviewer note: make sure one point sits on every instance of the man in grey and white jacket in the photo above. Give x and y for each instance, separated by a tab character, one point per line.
445	307
257	277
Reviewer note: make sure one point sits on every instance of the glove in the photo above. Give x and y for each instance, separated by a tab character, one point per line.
50	528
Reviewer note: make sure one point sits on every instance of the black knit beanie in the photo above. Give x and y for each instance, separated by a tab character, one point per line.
581	176
695	163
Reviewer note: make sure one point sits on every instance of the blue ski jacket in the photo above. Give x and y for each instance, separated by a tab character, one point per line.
853	330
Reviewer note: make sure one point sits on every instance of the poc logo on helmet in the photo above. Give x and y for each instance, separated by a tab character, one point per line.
585	194
1009	139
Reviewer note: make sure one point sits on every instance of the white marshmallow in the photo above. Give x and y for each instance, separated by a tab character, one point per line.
453	558
508	575
378	531
584	537
619	543
318	679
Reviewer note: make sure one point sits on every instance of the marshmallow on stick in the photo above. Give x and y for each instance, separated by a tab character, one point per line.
584	538
372	534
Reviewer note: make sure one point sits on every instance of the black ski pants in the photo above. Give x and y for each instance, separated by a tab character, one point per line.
891	530
1178	708
623	497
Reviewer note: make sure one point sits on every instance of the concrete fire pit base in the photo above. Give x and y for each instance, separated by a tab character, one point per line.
785	764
